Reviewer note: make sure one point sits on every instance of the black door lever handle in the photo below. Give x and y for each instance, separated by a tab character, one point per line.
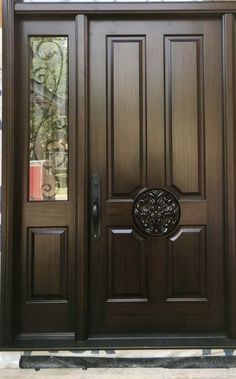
95	219
95	207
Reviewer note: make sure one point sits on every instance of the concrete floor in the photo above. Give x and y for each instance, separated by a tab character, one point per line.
152	373
9	363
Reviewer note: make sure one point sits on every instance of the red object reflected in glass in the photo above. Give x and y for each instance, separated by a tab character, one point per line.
36	180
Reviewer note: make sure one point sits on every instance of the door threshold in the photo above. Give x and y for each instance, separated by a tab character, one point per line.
47	362
131	342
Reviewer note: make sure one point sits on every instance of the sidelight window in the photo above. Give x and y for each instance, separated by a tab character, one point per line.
48	118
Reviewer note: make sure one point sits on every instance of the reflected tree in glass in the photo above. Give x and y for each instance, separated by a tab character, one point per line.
48	140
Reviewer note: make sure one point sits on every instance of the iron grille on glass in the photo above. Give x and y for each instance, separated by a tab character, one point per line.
48	118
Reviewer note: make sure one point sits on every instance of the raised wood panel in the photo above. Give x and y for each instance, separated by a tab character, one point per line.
186	265
47	255
126	266
126	115
184	114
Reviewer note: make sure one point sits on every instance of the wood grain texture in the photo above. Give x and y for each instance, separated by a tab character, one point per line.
82	212
0	13
127	266
177	8
115	318
229	83
126	114
48	308
187	265
184	114
8	175
47	260
198	171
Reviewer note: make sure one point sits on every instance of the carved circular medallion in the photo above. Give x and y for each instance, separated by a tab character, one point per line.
156	212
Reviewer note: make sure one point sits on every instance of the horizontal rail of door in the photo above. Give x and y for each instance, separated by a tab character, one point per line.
214	8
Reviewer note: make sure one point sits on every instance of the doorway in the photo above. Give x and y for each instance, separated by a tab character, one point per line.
121	170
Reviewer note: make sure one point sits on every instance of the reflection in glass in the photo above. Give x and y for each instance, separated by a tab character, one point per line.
48	146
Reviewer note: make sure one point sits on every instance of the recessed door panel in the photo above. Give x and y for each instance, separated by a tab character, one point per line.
184	81
186	263
126	266
126	103
47	262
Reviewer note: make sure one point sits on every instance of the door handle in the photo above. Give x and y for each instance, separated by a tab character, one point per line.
95	207
95	219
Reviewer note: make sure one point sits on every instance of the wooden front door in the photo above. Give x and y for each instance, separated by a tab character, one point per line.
119	177
155	122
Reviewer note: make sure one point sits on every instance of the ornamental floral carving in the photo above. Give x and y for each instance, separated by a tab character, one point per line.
156	212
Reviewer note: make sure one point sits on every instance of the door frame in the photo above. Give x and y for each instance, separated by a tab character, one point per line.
81	12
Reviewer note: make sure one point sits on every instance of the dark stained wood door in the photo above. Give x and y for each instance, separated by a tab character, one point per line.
155	121
44	214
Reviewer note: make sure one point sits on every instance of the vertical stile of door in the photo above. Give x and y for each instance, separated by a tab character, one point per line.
7	175
230	175
82	183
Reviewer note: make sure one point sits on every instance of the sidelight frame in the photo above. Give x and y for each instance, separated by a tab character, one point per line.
12	11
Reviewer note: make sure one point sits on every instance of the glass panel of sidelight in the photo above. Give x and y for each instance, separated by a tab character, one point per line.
48	118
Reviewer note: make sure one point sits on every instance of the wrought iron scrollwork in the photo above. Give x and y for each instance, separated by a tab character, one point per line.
156	212
49	111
